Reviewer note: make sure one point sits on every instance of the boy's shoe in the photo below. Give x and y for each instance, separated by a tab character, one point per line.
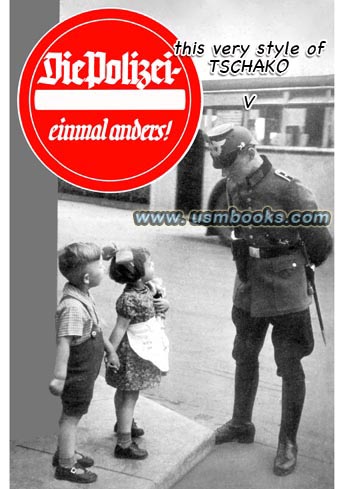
83	461
133	452
135	430
77	473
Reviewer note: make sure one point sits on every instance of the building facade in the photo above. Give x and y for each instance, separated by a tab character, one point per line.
291	118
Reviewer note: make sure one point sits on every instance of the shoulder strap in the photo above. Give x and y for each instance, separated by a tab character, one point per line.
85	307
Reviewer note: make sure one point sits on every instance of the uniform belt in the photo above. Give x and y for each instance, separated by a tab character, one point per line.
270	252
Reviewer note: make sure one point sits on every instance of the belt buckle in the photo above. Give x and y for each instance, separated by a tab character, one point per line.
254	252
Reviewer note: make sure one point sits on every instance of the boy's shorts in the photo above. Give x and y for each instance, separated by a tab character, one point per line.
83	368
76	407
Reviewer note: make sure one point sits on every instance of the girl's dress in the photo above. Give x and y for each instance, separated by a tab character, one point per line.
134	373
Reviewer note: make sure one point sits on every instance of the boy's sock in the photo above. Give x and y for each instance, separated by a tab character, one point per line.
66	462
124	440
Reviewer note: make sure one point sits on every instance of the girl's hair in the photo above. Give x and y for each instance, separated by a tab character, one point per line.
73	259
131	271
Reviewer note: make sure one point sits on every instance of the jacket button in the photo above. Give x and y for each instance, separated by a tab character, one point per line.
93	334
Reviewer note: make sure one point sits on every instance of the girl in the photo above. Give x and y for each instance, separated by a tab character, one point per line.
138	339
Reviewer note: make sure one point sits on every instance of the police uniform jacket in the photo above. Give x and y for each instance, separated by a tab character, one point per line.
276	281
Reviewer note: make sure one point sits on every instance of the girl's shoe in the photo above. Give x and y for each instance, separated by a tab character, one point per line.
133	452
77	473
83	460
135	431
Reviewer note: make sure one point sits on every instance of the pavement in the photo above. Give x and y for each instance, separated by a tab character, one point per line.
174	442
196	396
182	455
240	466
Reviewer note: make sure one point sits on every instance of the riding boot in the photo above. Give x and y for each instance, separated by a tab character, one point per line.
293	394
240	428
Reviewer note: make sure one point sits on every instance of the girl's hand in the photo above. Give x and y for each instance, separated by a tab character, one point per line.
112	361
56	386
161	305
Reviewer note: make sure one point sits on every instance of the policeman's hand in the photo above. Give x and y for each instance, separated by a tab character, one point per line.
56	386
161	305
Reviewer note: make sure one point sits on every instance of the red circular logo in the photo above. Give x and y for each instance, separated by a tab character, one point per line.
104	102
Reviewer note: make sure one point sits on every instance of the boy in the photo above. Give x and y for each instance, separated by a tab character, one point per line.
80	349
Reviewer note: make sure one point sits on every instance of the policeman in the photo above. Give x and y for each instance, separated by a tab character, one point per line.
270	286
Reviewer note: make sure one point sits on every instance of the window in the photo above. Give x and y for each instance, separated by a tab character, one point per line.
265	124
306	124
225	116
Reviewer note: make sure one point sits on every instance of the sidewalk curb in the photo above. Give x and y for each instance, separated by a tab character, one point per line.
175	445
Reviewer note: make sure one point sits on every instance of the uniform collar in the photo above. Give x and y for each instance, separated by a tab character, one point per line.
260	173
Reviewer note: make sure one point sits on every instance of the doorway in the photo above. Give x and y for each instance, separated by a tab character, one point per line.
190	176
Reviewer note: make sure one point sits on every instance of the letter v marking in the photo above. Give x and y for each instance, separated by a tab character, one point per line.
248	103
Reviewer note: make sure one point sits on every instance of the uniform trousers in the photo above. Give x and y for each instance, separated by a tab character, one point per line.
292	338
